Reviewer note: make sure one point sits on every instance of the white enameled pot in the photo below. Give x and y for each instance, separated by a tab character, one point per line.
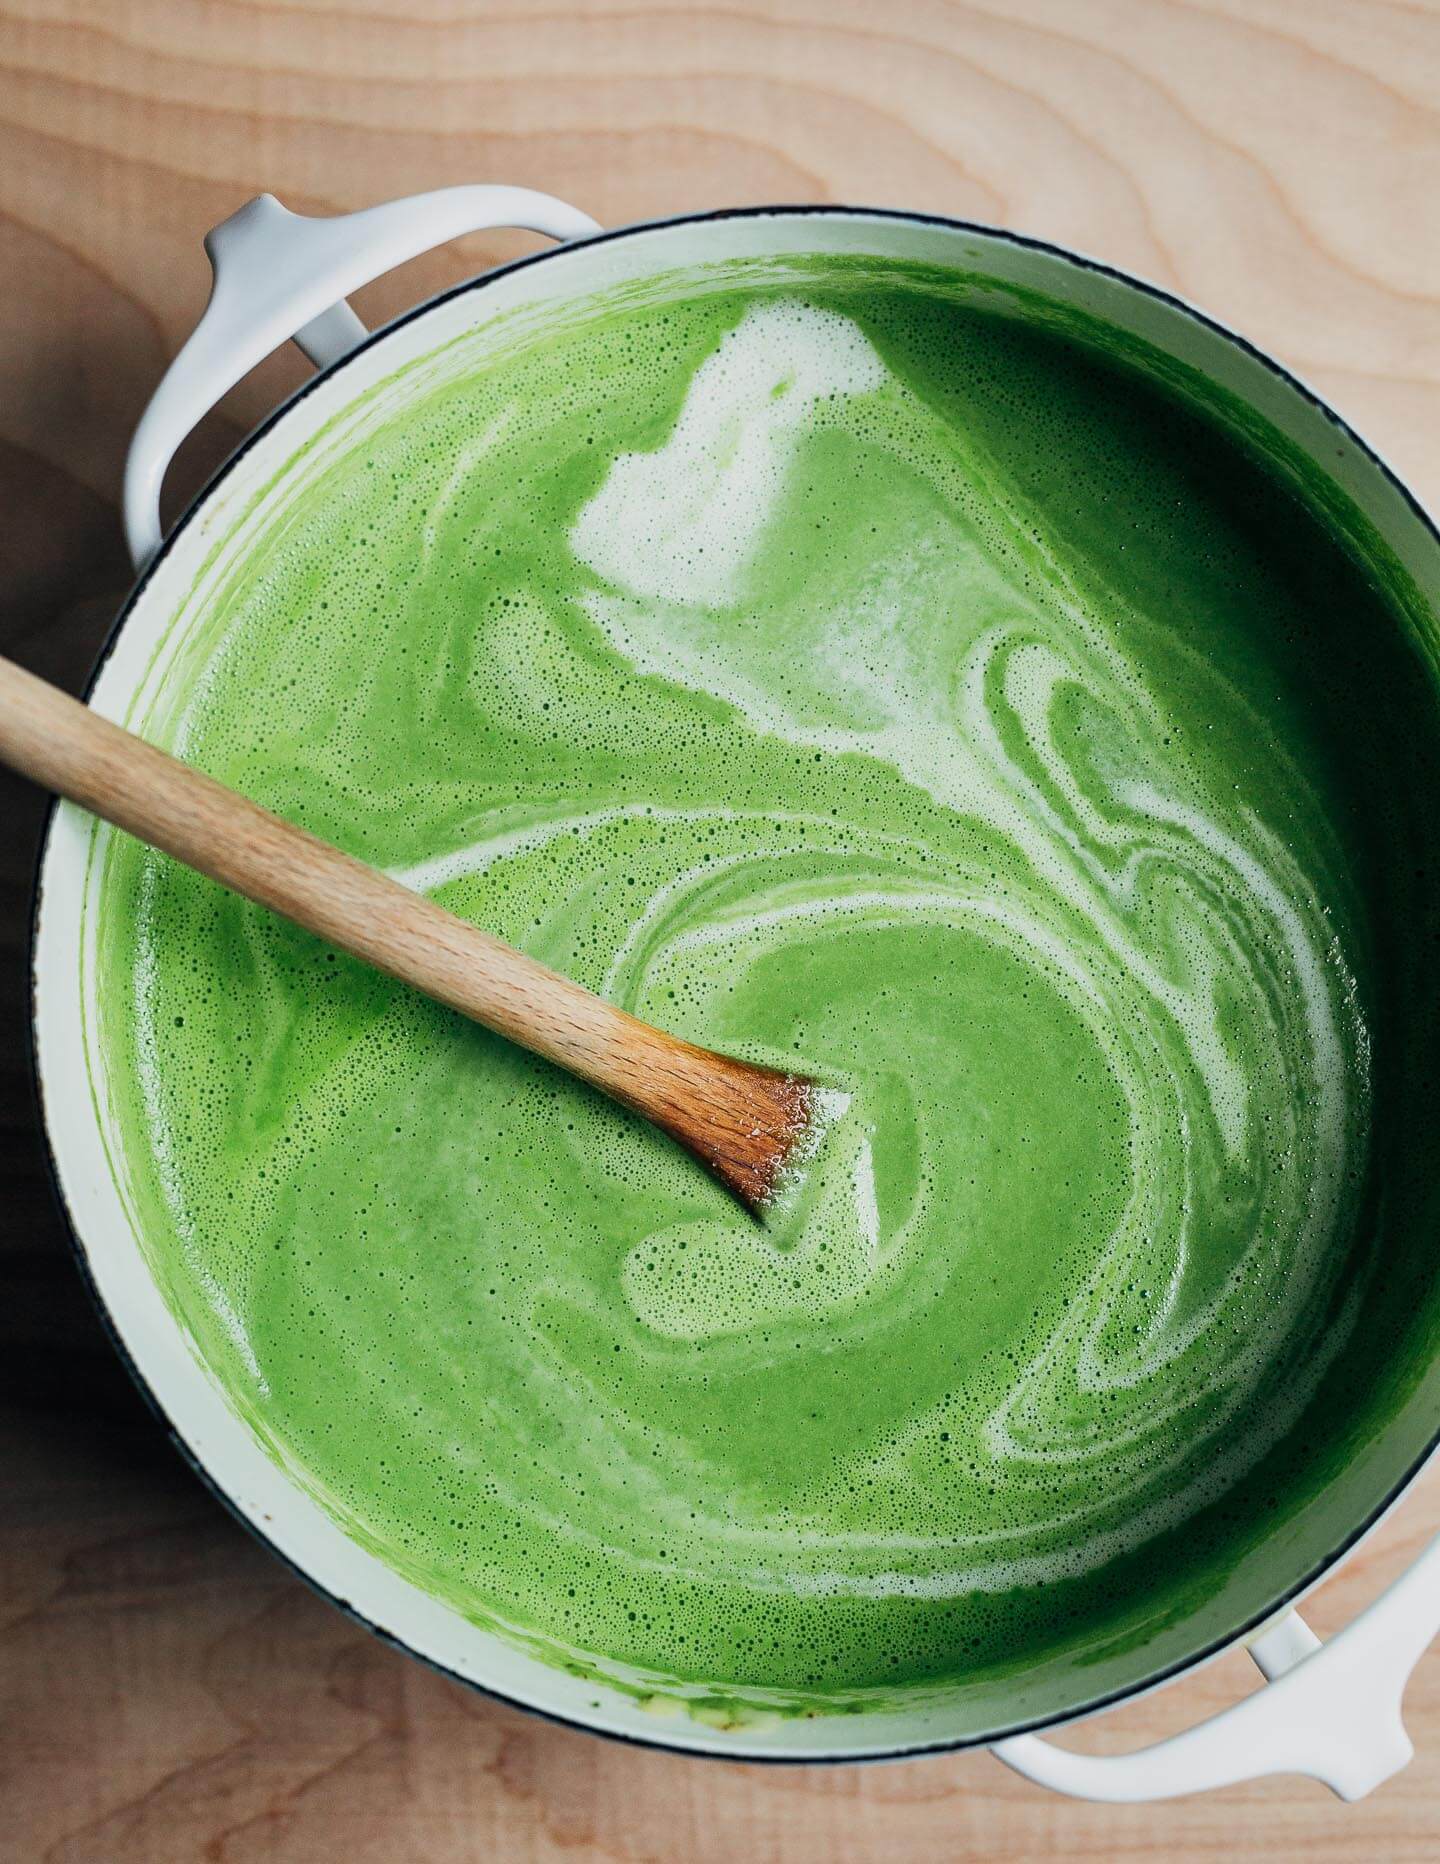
1332	1712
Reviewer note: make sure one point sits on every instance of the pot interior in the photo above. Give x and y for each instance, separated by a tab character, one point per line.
1386	1365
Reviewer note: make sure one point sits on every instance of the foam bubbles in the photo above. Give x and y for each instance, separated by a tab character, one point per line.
683	521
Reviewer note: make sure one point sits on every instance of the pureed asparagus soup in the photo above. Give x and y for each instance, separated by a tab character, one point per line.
853	675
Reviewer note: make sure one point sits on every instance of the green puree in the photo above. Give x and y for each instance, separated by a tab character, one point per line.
857	678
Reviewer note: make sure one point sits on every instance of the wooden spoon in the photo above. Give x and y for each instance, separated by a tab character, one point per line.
745	1123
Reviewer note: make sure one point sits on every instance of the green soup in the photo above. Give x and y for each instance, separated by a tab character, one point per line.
852	676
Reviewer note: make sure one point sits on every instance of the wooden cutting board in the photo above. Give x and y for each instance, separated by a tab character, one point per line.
166	1690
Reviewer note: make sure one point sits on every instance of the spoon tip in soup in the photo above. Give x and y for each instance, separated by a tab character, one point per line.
755	1129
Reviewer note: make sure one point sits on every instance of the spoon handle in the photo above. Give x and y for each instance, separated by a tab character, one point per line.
66	747
742	1121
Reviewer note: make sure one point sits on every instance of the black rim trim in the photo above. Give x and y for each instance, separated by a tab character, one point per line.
950	1745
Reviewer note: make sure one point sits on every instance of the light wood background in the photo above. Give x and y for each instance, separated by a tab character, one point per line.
166	1691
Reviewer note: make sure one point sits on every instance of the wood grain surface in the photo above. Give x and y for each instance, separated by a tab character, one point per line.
167	1691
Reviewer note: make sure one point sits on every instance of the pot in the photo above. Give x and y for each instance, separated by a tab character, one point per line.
1331	1712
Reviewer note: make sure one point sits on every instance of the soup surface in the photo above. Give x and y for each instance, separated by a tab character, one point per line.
857	676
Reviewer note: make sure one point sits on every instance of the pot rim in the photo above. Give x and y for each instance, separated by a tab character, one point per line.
80	1250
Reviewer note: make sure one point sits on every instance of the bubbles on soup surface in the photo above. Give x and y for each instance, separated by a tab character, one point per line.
818	672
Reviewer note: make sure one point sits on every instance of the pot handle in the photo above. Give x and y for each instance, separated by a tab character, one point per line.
280	275
1331	1711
